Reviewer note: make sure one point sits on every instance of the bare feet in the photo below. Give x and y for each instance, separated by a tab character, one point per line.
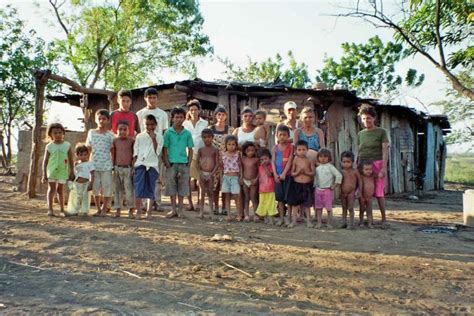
139	215
329	226
130	214
247	219
171	214
291	225
279	222
201	215
117	213
148	215
318	226
50	213
309	225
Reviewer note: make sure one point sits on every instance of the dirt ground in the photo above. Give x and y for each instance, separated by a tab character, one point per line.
108	266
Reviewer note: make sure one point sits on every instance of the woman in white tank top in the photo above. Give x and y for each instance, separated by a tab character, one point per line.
246	132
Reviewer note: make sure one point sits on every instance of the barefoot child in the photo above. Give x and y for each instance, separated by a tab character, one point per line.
100	141
177	157
327	178
367	193
250	178
232	176
262	131
350	182
266	188
84	179
300	192
122	157
282	159
208	162
146	153
57	165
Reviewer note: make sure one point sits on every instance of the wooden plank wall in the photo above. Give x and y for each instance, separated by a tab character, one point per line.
430	158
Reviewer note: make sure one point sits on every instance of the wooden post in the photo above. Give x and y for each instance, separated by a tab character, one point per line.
41	78
233	113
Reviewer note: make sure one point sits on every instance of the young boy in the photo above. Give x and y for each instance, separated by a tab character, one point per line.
367	193
350	182
300	193
123	114
262	131
100	141
208	158
162	121
146	153
177	141
250	179
282	160
122	157
83	182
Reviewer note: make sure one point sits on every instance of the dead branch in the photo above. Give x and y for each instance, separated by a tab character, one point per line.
237	269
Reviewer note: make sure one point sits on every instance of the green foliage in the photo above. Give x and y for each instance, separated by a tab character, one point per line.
125	43
272	70
459	169
369	69
21	52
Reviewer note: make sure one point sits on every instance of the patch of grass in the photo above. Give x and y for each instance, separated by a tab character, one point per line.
460	169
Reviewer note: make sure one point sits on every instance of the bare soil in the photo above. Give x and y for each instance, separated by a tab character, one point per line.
109	266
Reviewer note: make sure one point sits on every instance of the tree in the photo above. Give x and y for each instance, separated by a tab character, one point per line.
122	43
369	69
20	53
272	70
430	28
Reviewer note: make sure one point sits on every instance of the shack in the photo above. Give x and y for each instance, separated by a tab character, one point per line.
418	150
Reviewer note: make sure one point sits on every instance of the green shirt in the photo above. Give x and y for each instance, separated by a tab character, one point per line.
370	143
58	161
177	144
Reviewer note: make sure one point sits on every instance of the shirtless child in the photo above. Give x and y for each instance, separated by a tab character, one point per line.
262	131
250	178
300	192
350	182
208	162
367	193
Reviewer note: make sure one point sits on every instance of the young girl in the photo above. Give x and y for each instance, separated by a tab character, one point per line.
250	178
57	165
325	181
232	178
267	203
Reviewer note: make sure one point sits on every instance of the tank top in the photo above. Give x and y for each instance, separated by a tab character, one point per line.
58	162
243	137
312	140
231	162
266	183
281	158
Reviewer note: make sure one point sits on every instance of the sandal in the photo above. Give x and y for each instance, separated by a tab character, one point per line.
171	214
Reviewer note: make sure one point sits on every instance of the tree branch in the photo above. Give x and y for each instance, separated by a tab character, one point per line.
438	34
58	16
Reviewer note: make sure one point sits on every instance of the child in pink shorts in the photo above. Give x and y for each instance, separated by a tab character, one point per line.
325	181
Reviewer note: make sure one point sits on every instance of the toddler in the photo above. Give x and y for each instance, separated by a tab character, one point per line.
267	203
250	178
327	178
350	182
79	197
262	131
367	193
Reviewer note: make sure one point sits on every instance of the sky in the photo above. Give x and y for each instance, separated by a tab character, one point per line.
260	29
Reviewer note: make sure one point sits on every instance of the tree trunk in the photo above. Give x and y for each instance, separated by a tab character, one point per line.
8	135
41	78
4	153
457	85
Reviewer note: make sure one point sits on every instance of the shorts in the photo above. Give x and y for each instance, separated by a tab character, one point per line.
144	182
230	184
59	181
193	170
300	194
177	180
266	205
281	189
102	180
379	182
323	198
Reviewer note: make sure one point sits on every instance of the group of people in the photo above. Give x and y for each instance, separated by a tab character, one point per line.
139	152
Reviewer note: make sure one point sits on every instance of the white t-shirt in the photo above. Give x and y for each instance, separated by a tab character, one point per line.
143	150
196	133
100	144
83	169
161	119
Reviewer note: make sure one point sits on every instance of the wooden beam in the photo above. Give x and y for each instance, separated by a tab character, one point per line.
196	94
74	85
233	110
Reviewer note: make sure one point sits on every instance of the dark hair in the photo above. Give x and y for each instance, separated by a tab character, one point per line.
52	126
207	131
364	162
220	109
103	112
366	109
348	154
283	128
229	138
176	111
247	109
262	152
261	112
123	122
324	152
81	148
194	102
151	91
247	145
124	93
150	117
302	143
